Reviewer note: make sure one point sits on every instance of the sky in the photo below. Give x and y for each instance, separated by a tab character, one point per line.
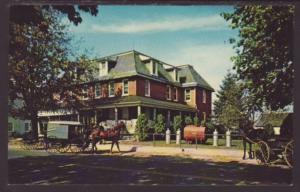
195	35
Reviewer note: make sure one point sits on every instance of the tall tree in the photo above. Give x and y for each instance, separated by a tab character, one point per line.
228	106
39	66
264	47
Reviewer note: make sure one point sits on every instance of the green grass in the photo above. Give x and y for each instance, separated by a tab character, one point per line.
236	144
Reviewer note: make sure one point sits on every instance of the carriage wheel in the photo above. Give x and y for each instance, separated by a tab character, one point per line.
262	152
288	153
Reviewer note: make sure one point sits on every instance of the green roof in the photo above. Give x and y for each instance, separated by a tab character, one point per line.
276	119
130	64
129	101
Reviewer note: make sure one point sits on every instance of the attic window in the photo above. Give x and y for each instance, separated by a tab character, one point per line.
103	68
182	79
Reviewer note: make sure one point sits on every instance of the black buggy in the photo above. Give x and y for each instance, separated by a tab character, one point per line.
277	147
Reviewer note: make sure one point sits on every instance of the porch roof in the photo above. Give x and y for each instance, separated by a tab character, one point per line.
130	101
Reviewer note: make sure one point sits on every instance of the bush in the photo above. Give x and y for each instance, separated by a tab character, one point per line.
209	126
177	123
196	120
151	126
141	127
188	120
203	123
160	124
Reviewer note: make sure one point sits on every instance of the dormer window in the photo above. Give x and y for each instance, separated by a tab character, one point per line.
153	67
168	93
103	68
175	75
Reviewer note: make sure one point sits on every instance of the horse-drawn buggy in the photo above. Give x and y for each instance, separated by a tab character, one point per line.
277	146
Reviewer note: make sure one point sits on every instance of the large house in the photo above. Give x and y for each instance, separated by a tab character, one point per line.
130	83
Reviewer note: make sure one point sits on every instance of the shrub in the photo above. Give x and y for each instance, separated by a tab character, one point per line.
203	123
160	124
151	126
177	123
196	120
188	120
141	127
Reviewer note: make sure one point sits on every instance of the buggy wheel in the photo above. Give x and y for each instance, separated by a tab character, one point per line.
288	153
262	152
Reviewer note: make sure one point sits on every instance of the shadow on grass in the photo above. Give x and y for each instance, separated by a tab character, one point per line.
153	170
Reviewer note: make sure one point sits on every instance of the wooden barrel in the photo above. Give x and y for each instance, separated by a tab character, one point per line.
191	133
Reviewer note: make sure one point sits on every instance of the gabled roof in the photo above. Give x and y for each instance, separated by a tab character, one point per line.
130	64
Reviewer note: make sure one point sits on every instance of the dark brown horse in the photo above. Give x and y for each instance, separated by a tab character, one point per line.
98	134
250	135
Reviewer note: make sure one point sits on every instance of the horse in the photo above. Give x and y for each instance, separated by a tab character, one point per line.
250	135
98	134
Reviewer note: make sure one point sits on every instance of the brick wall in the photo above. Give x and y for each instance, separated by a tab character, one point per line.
203	107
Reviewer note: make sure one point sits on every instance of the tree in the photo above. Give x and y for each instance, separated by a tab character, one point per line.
228	106
196	120
177	123
264	48
188	120
141	126
40	72
160	124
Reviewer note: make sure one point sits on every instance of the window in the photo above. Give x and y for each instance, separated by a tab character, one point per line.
103	69
175	75
98	90
187	95
168	93
10	127
154	68
175	94
27	127
125	87
111	89
147	88
85	92
203	96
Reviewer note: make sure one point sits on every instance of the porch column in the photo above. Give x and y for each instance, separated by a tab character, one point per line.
139	110
154	114
95	117
116	115
78	117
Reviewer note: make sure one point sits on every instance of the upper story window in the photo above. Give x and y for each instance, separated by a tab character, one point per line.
175	92
187	95
85	92
154	66
168	93
204	96
98	90
147	88
125	87
111	89
103	68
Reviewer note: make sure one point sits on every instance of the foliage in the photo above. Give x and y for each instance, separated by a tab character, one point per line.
177	123
160	124
41	76
209	126
264	48
203	123
141	127
188	120
196	120
151	126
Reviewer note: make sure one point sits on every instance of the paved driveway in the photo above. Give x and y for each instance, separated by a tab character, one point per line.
138	165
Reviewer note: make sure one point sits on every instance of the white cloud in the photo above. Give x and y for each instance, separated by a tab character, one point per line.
211	61
214	22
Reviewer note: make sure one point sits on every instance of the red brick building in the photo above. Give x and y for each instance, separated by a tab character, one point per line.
131	83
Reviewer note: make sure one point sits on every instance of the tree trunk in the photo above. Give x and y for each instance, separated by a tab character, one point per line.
34	126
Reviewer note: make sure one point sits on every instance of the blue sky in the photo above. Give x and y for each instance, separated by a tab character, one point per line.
195	35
